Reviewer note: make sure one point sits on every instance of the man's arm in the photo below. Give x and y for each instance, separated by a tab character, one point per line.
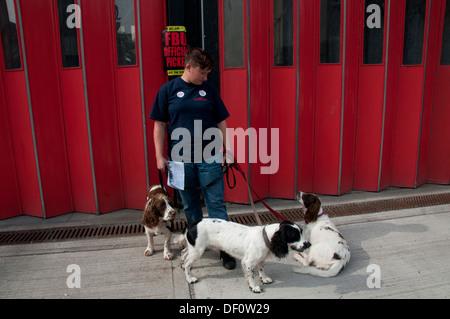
159	135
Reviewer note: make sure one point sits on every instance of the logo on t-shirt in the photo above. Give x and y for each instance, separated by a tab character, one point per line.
202	93
180	94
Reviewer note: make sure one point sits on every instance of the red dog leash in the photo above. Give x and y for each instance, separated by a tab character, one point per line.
250	190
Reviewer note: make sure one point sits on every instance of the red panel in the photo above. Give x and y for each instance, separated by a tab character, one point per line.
408	121
43	75
306	97
350	97
131	131
234	92
14	98
9	188
432	60
98	47
439	151
131	136
283	86
283	117
327	128
395	49
22	139
439	156
259	88
78	140
234	95
370	120
407	126
152	24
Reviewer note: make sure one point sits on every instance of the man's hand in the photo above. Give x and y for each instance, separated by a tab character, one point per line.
162	163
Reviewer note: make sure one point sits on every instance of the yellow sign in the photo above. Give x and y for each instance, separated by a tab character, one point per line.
175	28
174	48
175	72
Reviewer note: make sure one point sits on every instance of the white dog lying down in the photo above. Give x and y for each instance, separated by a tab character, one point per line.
240	241
329	252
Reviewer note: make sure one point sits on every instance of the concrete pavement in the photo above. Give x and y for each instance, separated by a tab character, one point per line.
406	250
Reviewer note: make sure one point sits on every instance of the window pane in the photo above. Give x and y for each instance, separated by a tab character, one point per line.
125	32
445	53
233	16
68	36
283	32
330	31
414	32
8	30
373	32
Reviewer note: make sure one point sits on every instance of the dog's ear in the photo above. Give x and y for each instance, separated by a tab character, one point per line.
309	199
151	214
283	236
192	232
312	204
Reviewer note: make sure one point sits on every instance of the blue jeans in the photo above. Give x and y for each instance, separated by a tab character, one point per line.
197	176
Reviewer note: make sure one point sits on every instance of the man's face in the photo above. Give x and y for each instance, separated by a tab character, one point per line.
198	75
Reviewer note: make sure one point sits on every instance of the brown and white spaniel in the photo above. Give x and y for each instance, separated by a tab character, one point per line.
158	214
328	252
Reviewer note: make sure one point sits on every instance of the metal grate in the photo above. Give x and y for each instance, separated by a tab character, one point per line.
99	231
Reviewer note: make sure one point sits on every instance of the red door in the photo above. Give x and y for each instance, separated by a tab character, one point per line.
410	93
328	95
9	188
439	154
19	115
129	105
74	107
374	15
234	84
283	98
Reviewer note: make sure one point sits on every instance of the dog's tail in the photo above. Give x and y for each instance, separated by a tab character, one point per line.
334	269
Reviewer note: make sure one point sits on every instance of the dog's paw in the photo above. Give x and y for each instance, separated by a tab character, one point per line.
267	280
192	280
256	289
148	252
168	256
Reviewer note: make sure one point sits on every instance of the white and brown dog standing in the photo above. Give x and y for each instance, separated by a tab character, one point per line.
329	252
158	214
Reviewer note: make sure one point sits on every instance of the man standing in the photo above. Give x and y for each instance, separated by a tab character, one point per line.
185	102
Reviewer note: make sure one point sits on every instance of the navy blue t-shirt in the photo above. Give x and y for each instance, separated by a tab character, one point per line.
180	103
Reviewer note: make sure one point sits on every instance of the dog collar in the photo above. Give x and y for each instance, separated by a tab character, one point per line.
320	215
266	238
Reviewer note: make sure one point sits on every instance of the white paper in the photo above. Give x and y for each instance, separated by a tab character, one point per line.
176	175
